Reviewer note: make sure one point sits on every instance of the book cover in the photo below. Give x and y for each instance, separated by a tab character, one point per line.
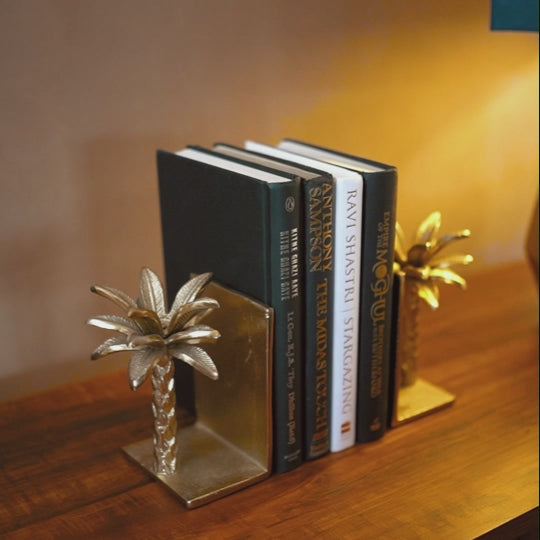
346	286
379	217
236	222
318	216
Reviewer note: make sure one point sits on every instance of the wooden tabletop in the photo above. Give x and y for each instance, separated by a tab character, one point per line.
458	473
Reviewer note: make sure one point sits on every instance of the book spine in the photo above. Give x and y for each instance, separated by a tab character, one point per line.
318	200
347	257
376	304
286	269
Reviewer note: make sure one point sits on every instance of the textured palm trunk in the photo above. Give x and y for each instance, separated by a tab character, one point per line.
408	331
164	408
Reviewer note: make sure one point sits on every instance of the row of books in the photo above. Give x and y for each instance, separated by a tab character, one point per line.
310	232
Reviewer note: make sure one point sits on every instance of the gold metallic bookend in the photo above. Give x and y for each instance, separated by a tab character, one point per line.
155	336
418	270
230	445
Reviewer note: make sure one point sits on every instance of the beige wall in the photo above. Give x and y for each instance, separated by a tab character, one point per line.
89	90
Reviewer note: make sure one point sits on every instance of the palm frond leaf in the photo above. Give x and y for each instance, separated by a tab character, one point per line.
200	333
109	346
151	295
116	323
147	319
447	276
429	228
141	364
190	290
120	298
429	292
196	357
451	261
190	314
147	340
446	239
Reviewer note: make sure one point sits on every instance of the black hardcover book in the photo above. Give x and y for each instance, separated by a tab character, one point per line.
318	216
379	218
239	223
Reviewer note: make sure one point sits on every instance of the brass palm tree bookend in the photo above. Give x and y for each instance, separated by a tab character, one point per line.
229	446
418	270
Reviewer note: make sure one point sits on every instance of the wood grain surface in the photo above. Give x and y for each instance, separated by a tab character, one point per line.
459	473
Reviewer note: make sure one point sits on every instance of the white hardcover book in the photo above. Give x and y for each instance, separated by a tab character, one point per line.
347	264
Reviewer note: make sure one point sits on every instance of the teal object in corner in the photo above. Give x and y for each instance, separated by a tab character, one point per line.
514	15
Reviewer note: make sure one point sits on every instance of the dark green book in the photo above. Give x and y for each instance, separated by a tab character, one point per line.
378	232
242	224
318	216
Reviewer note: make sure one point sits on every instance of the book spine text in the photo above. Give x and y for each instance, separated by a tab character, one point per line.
319	226
346	312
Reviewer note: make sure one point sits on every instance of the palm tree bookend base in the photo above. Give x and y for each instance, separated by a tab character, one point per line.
229	446
417	271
